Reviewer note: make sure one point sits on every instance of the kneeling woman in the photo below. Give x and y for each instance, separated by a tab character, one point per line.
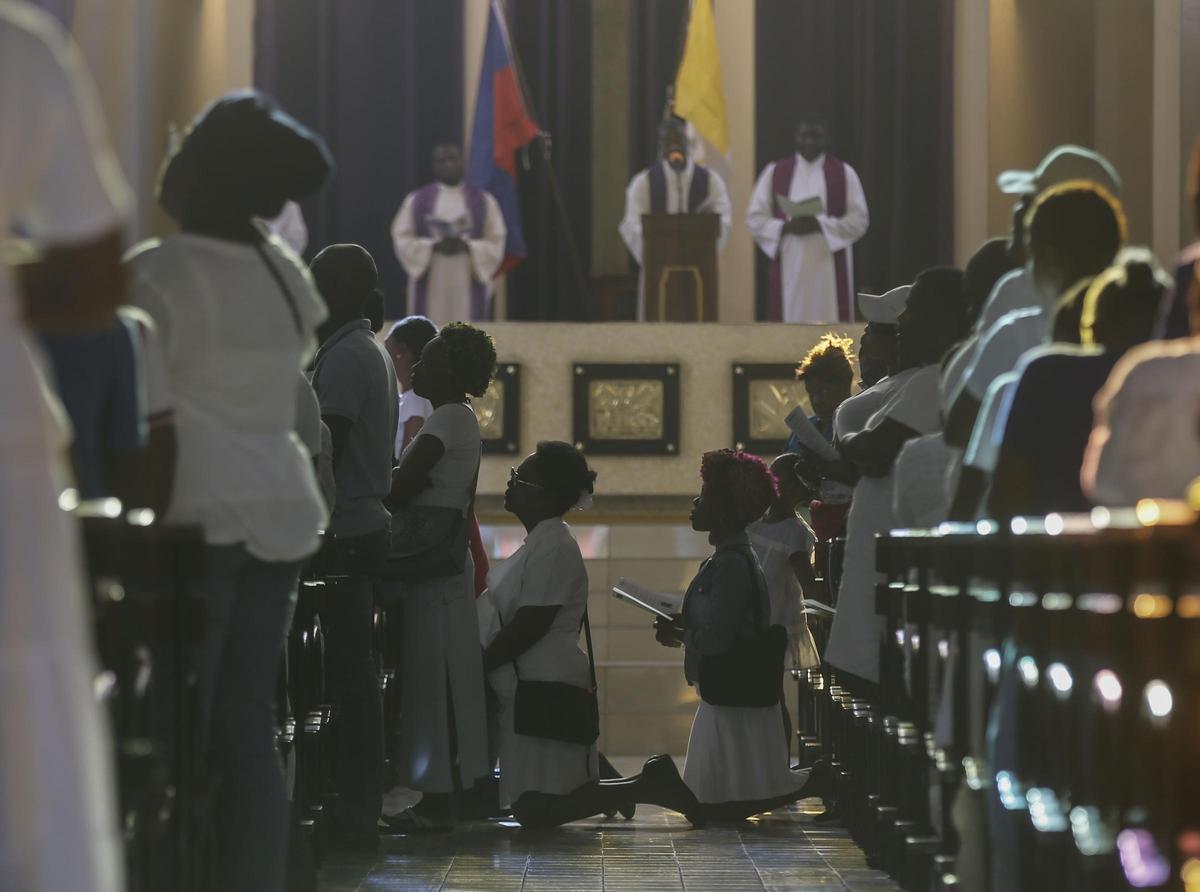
737	761
532	615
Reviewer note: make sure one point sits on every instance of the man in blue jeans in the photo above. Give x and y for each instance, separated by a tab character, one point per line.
356	387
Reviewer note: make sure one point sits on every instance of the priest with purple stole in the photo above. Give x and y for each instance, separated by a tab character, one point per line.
449	237
675	184
807	211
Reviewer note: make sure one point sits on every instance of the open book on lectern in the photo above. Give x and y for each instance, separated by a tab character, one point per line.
658	603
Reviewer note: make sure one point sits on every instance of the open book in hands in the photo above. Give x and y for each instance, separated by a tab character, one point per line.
806	207
808	435
657	603
456	228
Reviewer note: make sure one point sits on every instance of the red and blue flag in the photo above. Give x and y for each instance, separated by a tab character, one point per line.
502	127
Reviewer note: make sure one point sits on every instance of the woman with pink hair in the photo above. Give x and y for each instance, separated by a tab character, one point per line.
737	761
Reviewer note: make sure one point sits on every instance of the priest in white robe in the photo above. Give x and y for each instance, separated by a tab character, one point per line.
809	236
449	237
675	184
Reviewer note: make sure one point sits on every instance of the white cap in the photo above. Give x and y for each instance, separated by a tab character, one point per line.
884	309
1062	164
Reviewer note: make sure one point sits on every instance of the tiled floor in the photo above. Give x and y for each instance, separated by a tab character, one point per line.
657	852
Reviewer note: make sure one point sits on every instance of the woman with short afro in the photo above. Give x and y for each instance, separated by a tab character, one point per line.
737	761
443	729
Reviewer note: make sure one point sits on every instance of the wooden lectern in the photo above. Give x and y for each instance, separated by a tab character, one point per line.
679	253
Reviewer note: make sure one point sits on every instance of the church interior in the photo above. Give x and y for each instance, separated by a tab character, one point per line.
867	292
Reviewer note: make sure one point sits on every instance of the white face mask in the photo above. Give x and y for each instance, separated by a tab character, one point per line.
290	227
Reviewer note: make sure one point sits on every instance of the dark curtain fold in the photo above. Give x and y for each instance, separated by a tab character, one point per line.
382	81
883	74
655	42
553	43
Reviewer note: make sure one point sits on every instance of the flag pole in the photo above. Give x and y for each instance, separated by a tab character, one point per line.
543	141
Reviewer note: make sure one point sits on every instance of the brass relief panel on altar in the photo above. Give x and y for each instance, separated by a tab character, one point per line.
626	408
499	411
764	394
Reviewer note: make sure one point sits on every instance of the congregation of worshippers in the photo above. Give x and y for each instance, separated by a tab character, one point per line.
248	618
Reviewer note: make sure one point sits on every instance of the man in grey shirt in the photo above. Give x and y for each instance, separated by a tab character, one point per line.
356	387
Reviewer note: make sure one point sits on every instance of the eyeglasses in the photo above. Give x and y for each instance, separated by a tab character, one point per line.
515	479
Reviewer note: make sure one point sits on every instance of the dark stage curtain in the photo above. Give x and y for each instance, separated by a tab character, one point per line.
553	43
883	74
655	41
382	81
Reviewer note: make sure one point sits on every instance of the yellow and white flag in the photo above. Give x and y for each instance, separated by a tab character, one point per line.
699	98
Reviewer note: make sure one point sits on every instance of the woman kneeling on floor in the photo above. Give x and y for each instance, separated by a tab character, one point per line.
531	618
737	761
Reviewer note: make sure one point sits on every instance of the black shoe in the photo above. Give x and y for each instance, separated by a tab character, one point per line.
609	772
821	781
661	785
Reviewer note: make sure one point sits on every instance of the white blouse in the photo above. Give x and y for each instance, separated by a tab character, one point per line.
547	570
233	344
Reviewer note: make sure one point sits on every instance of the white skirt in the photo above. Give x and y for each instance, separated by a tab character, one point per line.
442	662
535	763
739	754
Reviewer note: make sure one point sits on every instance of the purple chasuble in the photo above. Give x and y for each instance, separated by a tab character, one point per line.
423	203
835	206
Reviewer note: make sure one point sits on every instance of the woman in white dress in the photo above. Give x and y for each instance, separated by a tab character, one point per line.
443	731
737	761
532	614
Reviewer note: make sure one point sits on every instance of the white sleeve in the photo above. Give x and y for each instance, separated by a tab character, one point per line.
487	252
547	577
454	425
637	202
914	404
145	295
764	226
842	232
413	406
718	203
984	447
156	382
413	252
998	352
76	191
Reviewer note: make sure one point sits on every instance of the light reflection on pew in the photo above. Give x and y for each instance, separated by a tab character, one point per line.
1043	678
